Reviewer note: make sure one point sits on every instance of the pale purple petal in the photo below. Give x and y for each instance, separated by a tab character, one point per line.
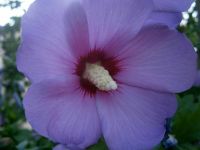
159	59
63	147
114	22
77	30
60	147
134	118
173	5
44	52
171	19
58	110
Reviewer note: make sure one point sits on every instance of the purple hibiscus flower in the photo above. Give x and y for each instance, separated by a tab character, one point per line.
95	71
168	12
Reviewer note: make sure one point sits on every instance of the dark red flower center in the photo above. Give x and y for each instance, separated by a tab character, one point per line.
111	64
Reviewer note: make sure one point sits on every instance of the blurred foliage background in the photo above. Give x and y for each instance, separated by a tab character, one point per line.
183	131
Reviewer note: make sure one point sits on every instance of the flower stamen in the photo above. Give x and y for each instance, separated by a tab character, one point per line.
99	76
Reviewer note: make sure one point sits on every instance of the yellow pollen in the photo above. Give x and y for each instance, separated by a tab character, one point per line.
99	76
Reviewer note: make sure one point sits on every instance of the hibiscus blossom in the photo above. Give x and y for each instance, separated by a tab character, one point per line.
95	71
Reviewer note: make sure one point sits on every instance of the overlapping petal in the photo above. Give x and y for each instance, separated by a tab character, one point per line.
115	21
173	5
171	19
56	109
77	32
134	118
44	52
63	147
51	30
168	12
159	59
60	147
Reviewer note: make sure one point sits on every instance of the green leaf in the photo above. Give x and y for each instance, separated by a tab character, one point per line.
99	146
186	125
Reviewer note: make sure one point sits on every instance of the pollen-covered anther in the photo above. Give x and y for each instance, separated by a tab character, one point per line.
100	77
